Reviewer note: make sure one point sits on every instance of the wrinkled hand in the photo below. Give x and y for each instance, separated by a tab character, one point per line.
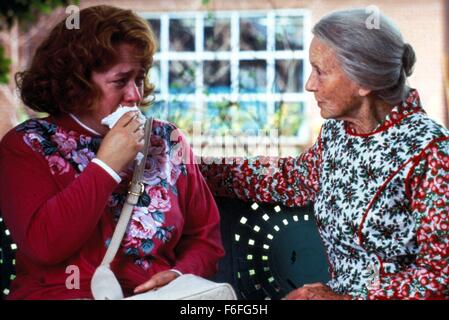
315	291
122	142
158	280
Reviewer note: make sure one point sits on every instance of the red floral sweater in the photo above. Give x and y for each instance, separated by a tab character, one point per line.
61	209
381	201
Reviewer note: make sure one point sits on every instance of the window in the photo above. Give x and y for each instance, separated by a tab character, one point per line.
235	73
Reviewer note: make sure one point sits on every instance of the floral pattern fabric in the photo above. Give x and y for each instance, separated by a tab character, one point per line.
68	149
381	201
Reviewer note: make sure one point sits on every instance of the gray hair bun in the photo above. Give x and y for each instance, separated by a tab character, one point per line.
408	59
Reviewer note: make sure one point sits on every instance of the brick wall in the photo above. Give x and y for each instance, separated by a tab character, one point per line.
421	22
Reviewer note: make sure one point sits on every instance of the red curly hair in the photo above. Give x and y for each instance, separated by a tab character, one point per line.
59	77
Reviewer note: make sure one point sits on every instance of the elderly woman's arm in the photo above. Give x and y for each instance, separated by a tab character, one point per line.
291	181
428	276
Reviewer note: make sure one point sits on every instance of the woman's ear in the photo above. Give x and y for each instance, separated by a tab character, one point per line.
363	92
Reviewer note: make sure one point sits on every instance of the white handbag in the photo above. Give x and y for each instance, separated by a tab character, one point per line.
104	284
189	287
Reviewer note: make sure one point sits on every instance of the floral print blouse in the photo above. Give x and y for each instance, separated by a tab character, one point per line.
381	201
67	208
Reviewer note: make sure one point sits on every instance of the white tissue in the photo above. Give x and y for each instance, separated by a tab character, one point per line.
112	119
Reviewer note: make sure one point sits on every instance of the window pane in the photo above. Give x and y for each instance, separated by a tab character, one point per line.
177	108
252	116
155	25
182	77
217	118
217	34
253	34
289	74
182	114
155	76
217	76
156	110
289	33
182	34
253	77
289	117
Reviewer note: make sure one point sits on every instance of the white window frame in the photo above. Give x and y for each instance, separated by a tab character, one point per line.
199	99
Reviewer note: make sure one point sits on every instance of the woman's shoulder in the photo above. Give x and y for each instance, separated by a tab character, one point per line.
31	125
173	140
164	124
421	122
37	128
167	131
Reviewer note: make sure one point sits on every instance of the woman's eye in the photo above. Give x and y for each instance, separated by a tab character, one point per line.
120	82
139	81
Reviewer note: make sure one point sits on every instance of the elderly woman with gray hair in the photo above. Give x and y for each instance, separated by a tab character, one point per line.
378	173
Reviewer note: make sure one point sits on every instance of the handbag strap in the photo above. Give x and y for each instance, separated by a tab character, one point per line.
135	191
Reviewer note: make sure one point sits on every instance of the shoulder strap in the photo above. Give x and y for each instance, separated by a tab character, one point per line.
135	191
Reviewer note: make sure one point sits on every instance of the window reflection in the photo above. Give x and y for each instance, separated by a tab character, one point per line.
155	76
182	34
182	113
217	34
155	25
252	116
156	110
289	33
253	77
217	76
218	116
177	109
288	76
289	117
182	77
253	34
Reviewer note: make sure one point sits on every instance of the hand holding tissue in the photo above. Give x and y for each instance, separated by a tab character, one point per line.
112	119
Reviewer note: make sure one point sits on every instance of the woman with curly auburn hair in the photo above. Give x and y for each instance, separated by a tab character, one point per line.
70	173
60	73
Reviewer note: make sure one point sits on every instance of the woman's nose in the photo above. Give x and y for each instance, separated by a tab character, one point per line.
311	83
133	93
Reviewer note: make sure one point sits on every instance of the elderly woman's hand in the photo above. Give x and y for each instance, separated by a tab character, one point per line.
122	142
315	291
158	280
